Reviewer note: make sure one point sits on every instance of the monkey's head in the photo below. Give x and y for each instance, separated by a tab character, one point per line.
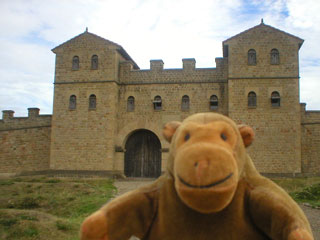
207	158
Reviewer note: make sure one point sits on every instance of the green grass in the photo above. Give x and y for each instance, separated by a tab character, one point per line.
310	195
31	231
63	225
302	190
8	222
49	208
6	182
46	208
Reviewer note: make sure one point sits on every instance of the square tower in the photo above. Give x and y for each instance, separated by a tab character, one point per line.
263	90
85	103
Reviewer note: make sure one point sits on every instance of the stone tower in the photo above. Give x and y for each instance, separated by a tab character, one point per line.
85	103
108	114
263	90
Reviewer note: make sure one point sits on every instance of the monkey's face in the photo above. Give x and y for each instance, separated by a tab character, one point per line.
206	159
205	167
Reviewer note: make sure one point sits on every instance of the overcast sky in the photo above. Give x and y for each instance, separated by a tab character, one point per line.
148	29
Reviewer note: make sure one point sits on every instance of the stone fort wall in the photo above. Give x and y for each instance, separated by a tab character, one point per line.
277	147
277	144
94	139
171	84
24	142
83	138
310	141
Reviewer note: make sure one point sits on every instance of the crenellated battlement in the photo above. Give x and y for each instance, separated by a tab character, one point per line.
103	100
309	117
25	142
33	120
187	74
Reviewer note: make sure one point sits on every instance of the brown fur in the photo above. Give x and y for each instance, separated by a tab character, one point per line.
211	190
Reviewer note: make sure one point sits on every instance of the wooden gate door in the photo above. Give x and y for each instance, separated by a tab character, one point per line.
142	155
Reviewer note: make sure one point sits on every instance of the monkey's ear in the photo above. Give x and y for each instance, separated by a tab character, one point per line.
247	134
169	129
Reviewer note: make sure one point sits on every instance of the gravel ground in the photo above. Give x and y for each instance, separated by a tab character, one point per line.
312	214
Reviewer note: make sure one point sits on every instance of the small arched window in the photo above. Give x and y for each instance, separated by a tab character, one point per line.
130	104
92	101
94	62
72	102
252	99
275	58
157	103
252	57
213	102
185	103
75	63
275	99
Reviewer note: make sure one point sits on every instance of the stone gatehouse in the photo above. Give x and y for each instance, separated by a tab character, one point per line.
108	114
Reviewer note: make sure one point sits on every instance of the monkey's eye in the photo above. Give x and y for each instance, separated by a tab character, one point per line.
186	137
223	137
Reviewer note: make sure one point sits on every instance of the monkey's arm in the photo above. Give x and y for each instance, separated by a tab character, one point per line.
276	213
127	215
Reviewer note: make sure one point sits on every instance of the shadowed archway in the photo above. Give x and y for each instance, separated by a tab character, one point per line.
143	155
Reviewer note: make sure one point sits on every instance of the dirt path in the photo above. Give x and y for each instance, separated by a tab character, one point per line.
312	214
314	218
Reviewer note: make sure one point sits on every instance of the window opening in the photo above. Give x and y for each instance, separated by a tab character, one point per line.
213	102
72	102
92	101
252	99
75	63
275	99
157	103
252	57
275	58
185	103
130	104
94	62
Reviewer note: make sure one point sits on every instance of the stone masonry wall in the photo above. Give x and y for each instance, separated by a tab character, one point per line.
263	39
145	117
188	74
83	138
310	141
24	142
85	47
276	148
171	85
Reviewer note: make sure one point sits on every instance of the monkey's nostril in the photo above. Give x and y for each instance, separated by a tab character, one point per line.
196	164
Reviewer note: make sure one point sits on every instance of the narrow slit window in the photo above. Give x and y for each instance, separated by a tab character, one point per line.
94	62
214	102
92	101
130	104
185	103
252	57
157	103
275	58
252	99
72	102
75	63
275	99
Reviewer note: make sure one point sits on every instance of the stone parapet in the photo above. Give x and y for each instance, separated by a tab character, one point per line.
156	65
9	122
189	64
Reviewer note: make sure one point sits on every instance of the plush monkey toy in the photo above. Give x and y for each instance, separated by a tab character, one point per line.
211	190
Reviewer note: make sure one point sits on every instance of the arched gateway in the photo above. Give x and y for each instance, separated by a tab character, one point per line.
143	155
